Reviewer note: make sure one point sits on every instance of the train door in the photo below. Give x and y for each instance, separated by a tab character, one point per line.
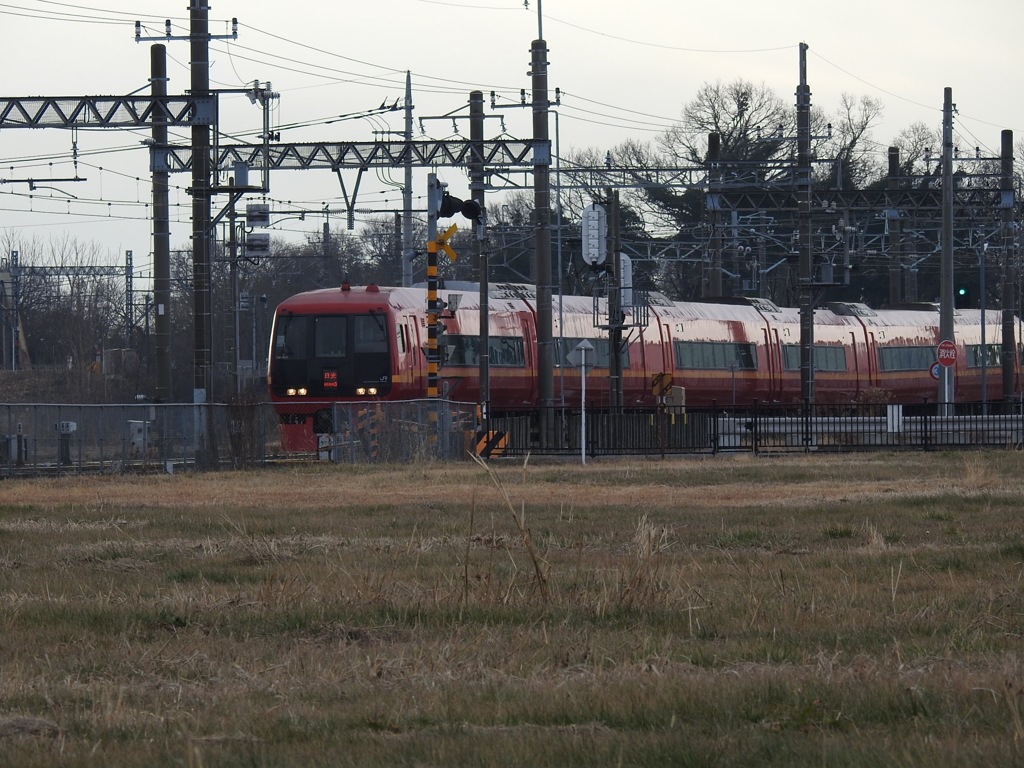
526	384
871	356
773	360
409	356
417	373
856	368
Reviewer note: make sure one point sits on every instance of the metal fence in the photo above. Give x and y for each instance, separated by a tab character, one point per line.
55	439
769	428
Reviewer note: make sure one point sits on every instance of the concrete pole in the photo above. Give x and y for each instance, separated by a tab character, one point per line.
408	250
946	395
542	241
1007	205
804	206
161	236
476	187
615	314
712	286
199	41
893	232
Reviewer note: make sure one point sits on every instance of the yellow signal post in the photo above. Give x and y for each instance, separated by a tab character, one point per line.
439	243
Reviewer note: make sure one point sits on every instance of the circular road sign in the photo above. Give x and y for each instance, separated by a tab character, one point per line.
935	370
946	353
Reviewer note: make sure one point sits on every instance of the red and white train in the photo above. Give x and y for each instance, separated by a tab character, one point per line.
368	343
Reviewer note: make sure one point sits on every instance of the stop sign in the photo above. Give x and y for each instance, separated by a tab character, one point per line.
946	353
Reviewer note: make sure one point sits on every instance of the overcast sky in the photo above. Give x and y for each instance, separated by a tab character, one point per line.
624	69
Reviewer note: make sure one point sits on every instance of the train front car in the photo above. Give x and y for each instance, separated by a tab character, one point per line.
327	346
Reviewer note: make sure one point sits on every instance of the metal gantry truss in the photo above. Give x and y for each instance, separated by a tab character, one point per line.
353	155
106	111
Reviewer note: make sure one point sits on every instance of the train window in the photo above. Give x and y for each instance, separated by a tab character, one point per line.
826	358
992	356
329	336
505	351
369	334
906	358
601	354
715	355
463	350
290	337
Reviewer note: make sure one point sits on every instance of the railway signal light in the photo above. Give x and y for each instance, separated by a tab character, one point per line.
450	205
962	297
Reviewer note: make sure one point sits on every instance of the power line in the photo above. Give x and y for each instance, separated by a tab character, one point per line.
684	49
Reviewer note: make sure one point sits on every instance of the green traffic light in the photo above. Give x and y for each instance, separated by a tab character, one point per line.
962	291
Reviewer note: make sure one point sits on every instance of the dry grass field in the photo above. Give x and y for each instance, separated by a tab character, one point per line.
852	610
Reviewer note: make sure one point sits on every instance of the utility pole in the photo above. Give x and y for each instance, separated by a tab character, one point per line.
476	188
542	241
161	235
15	312
1006	206
408	250
946	395
804	205
615	314
712	285
893	231
233	289
199	44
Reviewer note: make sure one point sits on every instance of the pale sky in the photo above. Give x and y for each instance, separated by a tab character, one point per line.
624	71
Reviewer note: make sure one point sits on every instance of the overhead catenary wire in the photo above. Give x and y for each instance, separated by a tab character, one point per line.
568	111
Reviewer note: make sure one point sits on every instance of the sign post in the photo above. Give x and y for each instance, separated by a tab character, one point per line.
578	358
945	356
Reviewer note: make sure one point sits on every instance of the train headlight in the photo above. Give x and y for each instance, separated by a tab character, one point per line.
291	392
360	391
303	391
371	391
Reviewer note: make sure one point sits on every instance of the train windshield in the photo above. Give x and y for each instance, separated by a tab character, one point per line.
331	355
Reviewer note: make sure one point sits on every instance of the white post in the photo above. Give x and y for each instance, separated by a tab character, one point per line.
583	403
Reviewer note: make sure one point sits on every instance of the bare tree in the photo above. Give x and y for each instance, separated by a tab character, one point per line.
915	143
752	121
855	159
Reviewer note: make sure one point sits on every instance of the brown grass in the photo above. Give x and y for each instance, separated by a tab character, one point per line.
850	610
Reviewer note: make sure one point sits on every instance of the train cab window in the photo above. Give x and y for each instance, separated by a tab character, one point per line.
329	336
715	355
369	333
915	358
290	337
991	358
826	358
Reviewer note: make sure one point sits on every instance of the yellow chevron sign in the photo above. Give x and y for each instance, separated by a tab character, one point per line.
491	444
442	241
